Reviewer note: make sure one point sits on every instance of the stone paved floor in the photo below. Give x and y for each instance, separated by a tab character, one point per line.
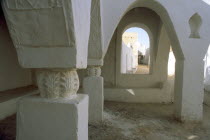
124	121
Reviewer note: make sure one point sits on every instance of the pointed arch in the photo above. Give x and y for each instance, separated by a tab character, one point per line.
160	10
169	26
195	23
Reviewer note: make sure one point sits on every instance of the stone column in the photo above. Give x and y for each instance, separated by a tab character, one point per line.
60	113
94	86
189	90
56	49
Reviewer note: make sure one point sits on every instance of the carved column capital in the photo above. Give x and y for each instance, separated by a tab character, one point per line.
58	83
94	71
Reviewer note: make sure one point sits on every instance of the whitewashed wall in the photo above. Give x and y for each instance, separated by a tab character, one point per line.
207	71
127	59
11	74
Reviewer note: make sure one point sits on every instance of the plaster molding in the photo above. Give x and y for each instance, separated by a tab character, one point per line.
95	62
94	71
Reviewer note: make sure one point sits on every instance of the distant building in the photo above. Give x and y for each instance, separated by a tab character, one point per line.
130	38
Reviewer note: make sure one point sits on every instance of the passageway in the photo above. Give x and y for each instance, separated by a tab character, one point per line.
124	121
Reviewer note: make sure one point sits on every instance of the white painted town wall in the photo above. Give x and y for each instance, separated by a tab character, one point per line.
207	71
126	59
11	74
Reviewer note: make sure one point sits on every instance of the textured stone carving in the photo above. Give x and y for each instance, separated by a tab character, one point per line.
58	83
94	71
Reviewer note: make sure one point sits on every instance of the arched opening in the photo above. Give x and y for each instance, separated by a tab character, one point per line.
135	53
171	73
152	87
207	77
155	80
171	63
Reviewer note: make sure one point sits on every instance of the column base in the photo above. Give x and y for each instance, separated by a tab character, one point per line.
53	119
193	114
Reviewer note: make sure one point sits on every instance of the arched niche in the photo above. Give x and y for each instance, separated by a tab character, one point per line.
195	23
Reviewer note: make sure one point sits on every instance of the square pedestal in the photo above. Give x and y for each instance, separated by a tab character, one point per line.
94	87
53	119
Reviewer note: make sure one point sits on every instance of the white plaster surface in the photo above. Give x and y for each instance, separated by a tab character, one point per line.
95	48
175	16
138	95
11	74
114	78
189	52
207	98
60	119
168	10
9	107
94	87
109	68
49	34
159	45
126	59
207	71
189	96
